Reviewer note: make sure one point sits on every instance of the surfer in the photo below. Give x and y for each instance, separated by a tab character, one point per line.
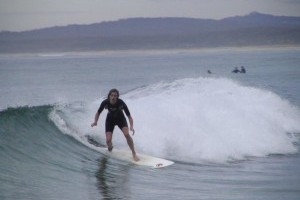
115	116
236	70
243	70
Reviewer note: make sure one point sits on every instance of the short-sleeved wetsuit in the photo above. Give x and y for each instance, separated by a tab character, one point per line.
115	115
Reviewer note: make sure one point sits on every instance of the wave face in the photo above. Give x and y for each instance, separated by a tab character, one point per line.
199	120
37	159
196	120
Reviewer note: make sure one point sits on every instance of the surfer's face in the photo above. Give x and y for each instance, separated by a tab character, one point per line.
113	97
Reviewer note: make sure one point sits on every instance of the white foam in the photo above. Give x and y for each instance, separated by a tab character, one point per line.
212	119
196	120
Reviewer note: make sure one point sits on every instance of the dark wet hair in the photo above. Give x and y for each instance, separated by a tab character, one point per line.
112	91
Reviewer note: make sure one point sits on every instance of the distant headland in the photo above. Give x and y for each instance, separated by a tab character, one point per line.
254	29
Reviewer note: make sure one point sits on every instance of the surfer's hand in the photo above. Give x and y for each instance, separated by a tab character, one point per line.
133	131
94	124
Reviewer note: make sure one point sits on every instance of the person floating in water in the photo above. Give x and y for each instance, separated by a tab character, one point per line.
115	116
243	70
209	72
236	70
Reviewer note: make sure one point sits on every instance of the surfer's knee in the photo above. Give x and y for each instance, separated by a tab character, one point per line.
125	130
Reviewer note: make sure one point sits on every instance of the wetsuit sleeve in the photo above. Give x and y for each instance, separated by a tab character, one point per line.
102	106
125	107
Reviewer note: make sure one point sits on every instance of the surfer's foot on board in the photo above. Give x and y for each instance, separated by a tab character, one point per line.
135	158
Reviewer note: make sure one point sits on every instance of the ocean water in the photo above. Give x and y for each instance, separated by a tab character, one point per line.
231	136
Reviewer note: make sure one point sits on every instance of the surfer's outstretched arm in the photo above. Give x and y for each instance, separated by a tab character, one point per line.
97	115
131	124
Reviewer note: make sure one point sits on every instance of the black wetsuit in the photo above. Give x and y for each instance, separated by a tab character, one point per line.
115	115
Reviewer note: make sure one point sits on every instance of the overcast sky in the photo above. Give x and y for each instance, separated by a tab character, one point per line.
18	15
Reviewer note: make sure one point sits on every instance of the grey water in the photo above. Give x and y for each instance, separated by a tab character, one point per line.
231	136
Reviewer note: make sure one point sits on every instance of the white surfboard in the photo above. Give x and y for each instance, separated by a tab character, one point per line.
126	155
145	160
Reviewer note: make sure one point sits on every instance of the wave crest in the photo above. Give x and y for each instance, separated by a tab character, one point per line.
212	119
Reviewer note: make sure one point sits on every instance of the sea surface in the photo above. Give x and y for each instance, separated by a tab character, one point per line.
231	136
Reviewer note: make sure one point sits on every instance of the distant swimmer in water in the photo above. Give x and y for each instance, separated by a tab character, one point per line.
236	70
115	116
243	70
209	72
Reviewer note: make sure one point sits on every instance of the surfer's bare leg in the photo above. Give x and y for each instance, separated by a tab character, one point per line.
108	141
130	143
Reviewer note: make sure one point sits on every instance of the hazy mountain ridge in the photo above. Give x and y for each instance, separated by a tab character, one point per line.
156	33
